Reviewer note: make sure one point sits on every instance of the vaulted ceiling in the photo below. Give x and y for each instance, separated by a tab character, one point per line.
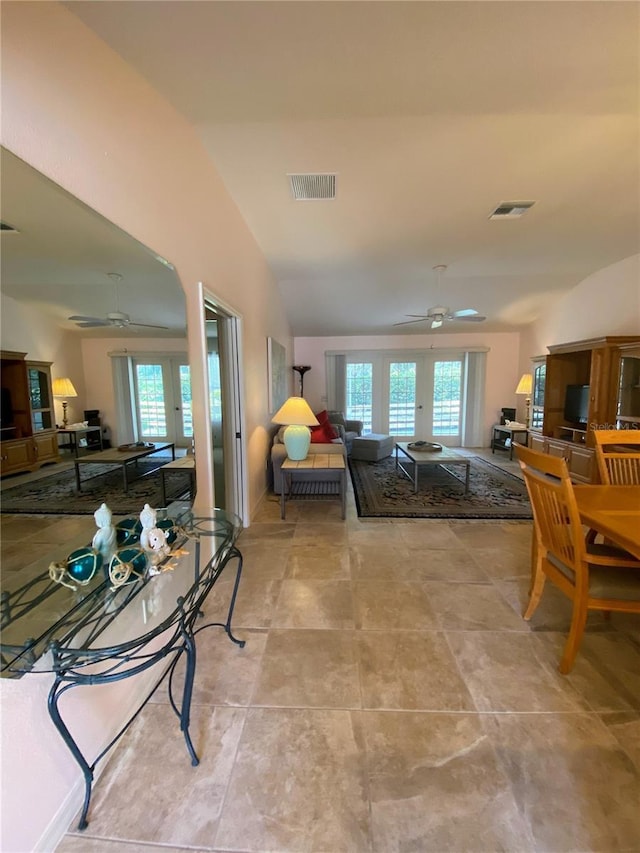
430	114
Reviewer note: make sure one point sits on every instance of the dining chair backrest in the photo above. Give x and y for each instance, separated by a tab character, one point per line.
557	523
618	456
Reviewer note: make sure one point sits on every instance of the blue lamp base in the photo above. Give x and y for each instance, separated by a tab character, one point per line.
297	440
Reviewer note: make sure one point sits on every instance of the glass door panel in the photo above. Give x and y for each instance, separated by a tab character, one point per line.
402	398
359	393
447	399
162	391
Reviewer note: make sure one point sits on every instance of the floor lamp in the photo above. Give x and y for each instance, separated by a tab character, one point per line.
301	369
524	387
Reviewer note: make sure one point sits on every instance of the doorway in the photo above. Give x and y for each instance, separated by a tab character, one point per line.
162	395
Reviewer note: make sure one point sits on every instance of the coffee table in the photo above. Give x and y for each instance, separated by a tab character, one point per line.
423	458
329	472
121	458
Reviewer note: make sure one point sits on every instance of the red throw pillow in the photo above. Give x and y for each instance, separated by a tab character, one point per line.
322	434
330	431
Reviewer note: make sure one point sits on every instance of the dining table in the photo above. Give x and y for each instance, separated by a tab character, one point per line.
614	511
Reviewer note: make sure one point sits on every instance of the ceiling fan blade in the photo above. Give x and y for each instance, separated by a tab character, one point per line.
92	324
464	312
476	318
435	324
421	316
408	322
147	325
82	319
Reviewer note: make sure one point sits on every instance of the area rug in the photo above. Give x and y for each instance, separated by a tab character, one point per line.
382	492
57	495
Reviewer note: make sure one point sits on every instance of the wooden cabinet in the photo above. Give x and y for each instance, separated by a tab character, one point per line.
580	460
609	369
27	423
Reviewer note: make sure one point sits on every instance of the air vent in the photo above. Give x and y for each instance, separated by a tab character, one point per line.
511	209
5	228
318	187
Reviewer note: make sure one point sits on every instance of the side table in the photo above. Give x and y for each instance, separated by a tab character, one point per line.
328	472
503	437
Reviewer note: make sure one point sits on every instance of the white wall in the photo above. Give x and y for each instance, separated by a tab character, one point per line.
25	329
503	360
605	303
75	111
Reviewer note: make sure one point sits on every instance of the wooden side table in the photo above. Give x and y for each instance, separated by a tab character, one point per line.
501	433
329	472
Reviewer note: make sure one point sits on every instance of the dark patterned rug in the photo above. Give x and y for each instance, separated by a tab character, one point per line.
57	495
383	492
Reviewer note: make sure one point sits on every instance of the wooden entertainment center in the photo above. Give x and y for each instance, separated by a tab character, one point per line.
610	367
28	437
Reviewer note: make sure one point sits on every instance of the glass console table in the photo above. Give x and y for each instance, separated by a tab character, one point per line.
97	635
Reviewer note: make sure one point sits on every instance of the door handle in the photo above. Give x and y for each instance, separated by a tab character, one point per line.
418	407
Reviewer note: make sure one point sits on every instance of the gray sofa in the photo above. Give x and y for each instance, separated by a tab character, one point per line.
347	430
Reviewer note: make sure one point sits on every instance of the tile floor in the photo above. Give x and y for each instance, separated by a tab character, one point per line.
389	698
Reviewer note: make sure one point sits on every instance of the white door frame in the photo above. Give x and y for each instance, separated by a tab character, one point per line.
234	445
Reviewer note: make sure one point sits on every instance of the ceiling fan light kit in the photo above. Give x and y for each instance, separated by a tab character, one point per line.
441	313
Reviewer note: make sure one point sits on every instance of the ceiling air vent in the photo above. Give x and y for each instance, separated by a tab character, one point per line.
511	209
5	228
313	187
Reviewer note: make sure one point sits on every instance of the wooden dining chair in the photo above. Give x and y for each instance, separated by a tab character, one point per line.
618	456
593	577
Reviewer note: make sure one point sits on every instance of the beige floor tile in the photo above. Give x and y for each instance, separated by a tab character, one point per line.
225	673
255	602
606	672
319	534
494	534
82	844
393	606
276	532
379	562
264	561
506	673
436	785
556	765
314	604
427	534
625	727
309	668
374	531
150	792
298	785
411	670
503	563
472	607
457	566
307	563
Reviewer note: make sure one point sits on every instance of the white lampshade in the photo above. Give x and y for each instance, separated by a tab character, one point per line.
64	388
296	415
295	410
525	385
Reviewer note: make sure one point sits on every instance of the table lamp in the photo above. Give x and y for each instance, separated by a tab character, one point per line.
524	387
64	388
296	415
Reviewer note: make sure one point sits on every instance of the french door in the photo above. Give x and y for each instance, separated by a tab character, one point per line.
414	397
162	396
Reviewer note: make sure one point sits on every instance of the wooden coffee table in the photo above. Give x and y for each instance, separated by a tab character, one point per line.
121	459
423	458
331	472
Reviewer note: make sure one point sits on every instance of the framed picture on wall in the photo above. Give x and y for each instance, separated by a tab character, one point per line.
276	366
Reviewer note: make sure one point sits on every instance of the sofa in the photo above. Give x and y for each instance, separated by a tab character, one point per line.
347	430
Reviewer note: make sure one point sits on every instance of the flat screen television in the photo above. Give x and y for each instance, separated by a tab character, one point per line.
576	404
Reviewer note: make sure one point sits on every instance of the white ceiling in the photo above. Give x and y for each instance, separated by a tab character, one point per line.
431	114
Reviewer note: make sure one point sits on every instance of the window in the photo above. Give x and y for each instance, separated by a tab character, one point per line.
447	390
359	393
402	398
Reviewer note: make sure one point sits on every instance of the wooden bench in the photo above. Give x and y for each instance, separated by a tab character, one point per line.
184	463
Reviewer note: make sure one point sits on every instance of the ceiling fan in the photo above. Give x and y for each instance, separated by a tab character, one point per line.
116	318
441	313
